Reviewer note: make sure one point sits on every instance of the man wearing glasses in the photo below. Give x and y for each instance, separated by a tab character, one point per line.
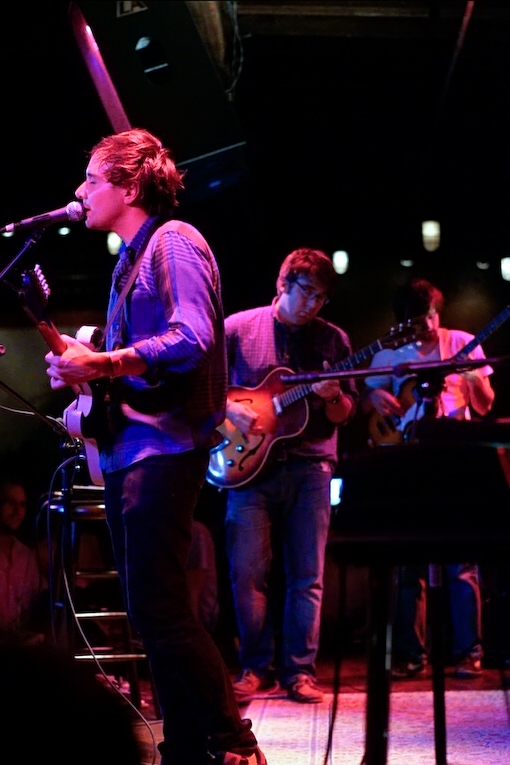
278	505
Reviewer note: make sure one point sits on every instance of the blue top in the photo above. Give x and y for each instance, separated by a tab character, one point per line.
173	316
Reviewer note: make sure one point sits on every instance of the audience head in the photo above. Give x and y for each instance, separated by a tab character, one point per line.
13	505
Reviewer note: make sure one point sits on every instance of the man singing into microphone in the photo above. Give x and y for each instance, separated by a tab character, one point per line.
166	364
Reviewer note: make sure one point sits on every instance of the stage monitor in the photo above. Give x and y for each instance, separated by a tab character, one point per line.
151	69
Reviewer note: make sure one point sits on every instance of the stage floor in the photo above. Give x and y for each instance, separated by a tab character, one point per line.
477	719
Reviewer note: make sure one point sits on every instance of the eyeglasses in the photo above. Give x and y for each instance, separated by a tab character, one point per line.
310	294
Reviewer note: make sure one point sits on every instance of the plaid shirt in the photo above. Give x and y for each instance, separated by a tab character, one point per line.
174	318
257	343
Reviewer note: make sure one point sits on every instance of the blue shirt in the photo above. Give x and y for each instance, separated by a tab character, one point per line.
173	316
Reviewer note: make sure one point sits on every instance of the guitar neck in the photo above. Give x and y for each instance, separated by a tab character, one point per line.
300	391
51	336
484	334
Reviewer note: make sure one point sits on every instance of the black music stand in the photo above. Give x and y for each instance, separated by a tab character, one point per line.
372	527
450	520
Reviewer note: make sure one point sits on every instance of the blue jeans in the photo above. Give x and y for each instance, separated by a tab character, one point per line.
465	607
290	503
149	510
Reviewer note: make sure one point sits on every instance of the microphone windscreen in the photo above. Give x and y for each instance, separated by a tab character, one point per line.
75	211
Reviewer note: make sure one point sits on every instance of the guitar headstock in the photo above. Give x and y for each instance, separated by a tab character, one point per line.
34	293
411	331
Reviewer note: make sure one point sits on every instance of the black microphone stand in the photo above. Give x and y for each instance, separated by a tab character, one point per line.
427	389
443	368
68	443
29	242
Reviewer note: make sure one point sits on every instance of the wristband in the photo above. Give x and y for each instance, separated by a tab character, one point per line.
114	366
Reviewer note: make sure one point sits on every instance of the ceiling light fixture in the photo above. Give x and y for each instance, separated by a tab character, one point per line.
431	235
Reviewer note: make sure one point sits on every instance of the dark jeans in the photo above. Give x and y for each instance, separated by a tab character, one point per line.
291	502
464	602
149	509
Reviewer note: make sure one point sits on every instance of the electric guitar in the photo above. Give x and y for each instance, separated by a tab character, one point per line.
84	418
283	413
383	430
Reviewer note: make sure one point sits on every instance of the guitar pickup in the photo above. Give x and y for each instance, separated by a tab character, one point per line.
278	408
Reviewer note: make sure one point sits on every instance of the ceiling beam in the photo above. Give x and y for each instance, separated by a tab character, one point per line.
408	20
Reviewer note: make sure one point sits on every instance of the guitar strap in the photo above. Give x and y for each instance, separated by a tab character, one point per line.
123	295
176	225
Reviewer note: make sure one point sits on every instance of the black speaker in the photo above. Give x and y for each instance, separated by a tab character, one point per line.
152	70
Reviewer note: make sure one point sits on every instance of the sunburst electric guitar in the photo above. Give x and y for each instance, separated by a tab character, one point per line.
85	417
283	413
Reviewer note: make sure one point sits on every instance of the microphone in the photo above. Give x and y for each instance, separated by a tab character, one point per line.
74	211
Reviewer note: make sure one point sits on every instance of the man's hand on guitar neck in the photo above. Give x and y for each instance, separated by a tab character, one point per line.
328	389
338	404
79	364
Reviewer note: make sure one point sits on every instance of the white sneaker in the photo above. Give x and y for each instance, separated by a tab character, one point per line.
231	758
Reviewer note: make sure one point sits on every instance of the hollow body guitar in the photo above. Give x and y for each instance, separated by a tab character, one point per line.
283	413
383	430
85	416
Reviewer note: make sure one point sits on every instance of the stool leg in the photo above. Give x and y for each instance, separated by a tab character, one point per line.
134	685
78	512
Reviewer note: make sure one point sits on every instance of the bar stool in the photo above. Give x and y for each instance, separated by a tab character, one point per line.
89	616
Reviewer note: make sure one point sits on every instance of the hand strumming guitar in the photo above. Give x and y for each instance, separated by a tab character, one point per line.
384	402
244	417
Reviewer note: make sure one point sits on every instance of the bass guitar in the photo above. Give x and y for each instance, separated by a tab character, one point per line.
393	430
85	418
283	413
